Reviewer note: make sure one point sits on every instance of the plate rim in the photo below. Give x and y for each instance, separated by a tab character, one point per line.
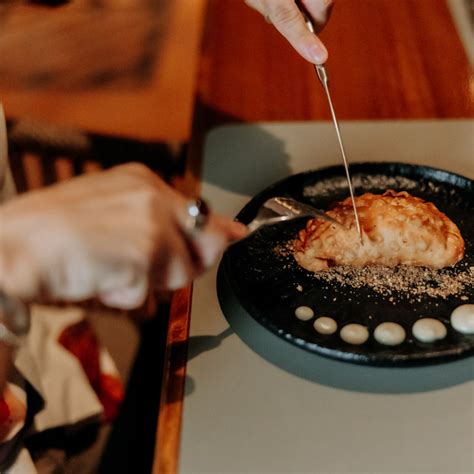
395	360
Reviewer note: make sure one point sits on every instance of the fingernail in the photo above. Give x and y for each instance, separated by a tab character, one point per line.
238	228
317	53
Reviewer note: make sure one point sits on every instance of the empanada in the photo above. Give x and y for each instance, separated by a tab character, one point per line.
398	229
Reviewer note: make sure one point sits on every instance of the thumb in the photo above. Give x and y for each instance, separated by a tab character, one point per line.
289	21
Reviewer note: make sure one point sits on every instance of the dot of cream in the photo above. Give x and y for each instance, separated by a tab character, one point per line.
429	330
304	313
389	334
354	334
462	319
325	325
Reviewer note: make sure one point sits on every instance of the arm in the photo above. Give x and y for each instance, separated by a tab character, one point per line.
114	236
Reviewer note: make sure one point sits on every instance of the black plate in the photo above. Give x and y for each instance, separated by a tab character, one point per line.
265	283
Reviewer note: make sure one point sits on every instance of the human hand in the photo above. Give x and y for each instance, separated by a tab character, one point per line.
113	236
289	21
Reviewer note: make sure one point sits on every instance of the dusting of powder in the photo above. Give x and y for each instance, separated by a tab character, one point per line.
401	282
414	282
327	187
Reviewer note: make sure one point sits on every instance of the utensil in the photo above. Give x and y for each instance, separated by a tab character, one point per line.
280	209
324	79
270	285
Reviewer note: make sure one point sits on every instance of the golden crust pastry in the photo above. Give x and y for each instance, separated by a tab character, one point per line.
398	229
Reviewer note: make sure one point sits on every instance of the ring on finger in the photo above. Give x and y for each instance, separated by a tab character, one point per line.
197	215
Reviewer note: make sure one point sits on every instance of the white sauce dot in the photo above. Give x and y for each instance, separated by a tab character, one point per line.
304	313
389	334
325	325
354	334
462	319
429	330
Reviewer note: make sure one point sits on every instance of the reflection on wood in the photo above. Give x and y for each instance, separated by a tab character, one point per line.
388	59
129	70
169	420
32	166
63	168
82	45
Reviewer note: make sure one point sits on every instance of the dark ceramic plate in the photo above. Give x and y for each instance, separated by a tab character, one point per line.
270	286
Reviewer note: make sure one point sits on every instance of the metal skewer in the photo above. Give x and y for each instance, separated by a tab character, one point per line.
323	77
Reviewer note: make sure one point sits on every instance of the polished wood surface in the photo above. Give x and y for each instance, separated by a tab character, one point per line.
169	421
116	68
388	60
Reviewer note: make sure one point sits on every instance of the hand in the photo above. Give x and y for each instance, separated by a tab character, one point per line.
113	235
289	21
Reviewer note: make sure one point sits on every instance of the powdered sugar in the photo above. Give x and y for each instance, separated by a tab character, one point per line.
327	187
403	281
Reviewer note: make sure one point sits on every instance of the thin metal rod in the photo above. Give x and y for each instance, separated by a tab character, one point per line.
343	152
323	77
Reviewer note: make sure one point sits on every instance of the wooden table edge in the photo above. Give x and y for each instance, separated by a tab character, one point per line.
168	433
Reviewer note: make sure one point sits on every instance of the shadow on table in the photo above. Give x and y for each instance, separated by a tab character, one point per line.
333	373
197	345
260	158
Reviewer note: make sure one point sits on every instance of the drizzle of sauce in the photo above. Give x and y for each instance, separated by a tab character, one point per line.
355	334
389	334
429	330
325	325
304	313
462	319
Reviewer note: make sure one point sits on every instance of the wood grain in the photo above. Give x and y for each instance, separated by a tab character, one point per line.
90	83
388	60
169	420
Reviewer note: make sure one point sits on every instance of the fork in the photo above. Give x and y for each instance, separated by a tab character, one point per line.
280	209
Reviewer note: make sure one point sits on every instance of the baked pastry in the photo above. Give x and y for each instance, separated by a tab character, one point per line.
398	229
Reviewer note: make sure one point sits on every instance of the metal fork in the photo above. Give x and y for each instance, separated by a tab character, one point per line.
280	209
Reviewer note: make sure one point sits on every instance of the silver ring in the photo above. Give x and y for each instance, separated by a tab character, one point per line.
197	215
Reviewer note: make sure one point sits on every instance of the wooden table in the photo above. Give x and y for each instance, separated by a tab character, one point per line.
116	68
388	60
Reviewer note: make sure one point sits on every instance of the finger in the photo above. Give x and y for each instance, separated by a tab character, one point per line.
210	243
215	237
128	297
234	230
289	21
122	286
177	263
319	11
208	240
178	273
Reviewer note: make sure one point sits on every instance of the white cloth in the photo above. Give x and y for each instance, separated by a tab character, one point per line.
54	372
